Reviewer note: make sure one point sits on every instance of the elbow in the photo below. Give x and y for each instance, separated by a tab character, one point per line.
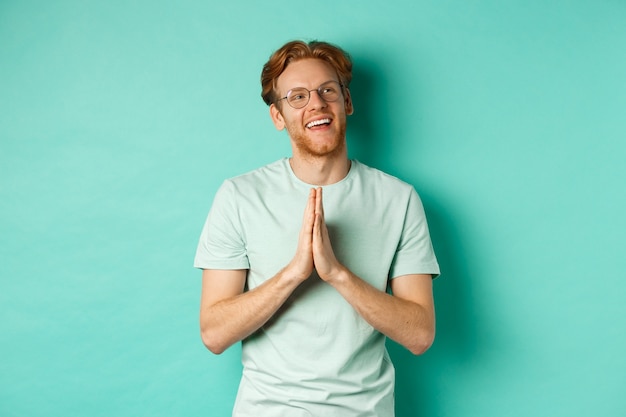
214	336
422	342
213	342
419	348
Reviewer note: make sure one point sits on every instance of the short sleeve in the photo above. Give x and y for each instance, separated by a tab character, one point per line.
414	254
222	244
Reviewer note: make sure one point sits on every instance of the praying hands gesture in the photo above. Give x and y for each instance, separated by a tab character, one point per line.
314	246
229	314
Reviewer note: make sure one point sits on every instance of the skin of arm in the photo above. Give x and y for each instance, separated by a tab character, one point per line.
408	316
228	314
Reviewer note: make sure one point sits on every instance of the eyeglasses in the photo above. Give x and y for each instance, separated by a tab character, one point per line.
300	96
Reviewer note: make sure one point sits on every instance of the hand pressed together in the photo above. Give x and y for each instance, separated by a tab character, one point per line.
324	259
314	246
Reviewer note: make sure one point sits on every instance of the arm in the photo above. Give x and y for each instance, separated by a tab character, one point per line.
408	316
228	314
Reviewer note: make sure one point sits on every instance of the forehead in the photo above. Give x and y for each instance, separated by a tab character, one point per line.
308	73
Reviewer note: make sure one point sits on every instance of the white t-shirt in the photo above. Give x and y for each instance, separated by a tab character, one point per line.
316	356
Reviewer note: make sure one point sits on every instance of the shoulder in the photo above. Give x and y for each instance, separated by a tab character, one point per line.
272	173
381	180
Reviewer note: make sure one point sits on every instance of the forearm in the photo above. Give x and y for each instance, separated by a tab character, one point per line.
232	319
407	322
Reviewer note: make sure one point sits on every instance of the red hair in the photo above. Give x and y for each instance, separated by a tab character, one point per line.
296	50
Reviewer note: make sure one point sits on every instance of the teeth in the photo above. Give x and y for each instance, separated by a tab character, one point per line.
318	122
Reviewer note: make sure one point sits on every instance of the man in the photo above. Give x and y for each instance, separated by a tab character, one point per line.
307	294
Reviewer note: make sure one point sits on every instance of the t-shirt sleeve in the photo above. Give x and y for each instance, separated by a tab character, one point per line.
222	243
414	254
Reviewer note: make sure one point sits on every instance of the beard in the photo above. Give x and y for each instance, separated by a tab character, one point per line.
308	146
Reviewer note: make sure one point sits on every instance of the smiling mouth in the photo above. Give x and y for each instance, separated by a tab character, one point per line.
320	122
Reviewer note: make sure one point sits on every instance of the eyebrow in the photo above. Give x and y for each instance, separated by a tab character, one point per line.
325	82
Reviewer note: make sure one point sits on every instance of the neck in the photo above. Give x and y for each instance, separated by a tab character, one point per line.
320	170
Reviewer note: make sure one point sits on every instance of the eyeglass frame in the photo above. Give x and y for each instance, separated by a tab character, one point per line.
341	87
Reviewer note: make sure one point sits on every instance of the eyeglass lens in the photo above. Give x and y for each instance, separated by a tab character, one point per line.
299	97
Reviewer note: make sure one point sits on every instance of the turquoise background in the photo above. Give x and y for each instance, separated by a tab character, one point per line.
119	120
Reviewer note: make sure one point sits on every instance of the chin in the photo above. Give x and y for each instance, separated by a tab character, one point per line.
307	145
320	151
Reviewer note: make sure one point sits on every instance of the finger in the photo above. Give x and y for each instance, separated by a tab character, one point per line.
319	205
308	220
309	210
320	232
318	226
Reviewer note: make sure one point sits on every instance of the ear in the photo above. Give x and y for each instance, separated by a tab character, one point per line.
277	117
348	101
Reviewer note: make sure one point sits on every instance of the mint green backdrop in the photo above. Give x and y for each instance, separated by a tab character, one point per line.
119	120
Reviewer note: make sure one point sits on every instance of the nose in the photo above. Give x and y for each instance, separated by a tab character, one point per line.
316	101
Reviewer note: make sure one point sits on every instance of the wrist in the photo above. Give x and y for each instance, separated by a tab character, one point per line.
291	276
338	276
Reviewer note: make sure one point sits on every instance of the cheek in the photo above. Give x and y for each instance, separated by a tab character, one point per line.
293	121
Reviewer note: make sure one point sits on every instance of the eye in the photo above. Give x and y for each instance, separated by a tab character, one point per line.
297	95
